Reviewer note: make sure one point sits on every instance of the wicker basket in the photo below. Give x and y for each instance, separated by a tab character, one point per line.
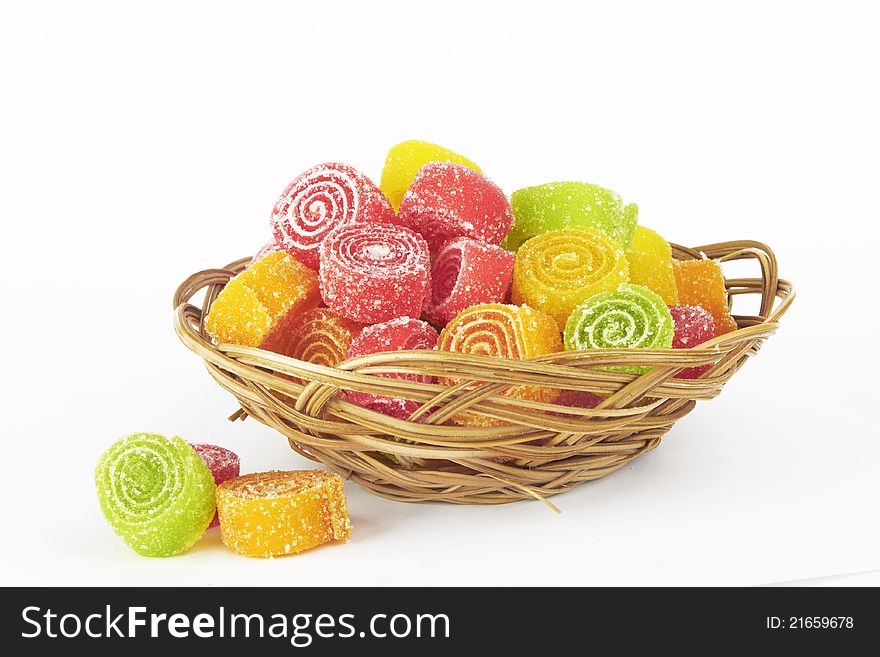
537	452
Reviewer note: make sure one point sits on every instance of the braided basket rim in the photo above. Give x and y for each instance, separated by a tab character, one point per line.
533	449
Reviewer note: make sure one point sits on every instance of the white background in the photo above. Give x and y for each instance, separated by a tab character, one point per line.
140	142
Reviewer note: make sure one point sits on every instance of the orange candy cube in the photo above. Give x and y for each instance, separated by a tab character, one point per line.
701	283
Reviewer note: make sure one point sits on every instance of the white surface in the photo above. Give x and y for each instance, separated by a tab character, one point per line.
139	145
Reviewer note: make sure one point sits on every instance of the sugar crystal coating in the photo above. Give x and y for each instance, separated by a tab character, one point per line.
504	331
402	333
320	199
268	514
701	283
269	293
559	269
693	326
404	161
570	204
631	317
156	493
448	200
373	273
223	463
650	264
465	273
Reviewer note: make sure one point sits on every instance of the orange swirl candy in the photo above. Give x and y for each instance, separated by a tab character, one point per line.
269	514
494	329
318	336
559	269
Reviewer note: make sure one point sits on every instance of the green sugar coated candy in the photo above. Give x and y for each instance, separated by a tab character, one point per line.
631	317
156	493
568	205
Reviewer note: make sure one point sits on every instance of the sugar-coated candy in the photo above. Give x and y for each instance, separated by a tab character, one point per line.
373	273
156	493
404	161
701	283
323	198
268	514
448	200
579	399
265	296
269	247
319	335
565	204
401	333
650	264
503	331
693	326
631	317
467	272
559	269
223	463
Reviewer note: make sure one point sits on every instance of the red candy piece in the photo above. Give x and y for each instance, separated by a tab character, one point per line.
448	200
223	464
693	326
323	198
374	272
467	272
578	399
395	335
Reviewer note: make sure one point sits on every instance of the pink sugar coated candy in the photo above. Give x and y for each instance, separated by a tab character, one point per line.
323	198
372	273
395	335
467	272
224	464
266	249
693	326
448	200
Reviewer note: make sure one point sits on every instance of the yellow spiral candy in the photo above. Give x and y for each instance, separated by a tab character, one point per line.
559	269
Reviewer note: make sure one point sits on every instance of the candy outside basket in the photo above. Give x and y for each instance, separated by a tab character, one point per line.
538	451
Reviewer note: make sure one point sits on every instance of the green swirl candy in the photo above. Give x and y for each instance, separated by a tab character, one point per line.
156	493
631	317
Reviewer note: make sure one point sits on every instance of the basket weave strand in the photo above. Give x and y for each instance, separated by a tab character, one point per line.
540	450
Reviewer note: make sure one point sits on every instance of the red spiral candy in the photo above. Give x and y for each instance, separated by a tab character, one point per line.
467	272
371	273
323	198
394	335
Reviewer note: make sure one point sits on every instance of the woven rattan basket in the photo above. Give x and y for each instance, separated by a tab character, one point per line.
537	452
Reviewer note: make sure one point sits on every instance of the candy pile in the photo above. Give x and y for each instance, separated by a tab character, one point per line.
436	257
160	495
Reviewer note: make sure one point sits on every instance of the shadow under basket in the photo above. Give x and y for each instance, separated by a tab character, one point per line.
537	450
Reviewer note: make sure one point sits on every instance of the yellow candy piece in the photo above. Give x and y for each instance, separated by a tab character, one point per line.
269	514
559	269
404	161
650	264
262	298
701	283
494	329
